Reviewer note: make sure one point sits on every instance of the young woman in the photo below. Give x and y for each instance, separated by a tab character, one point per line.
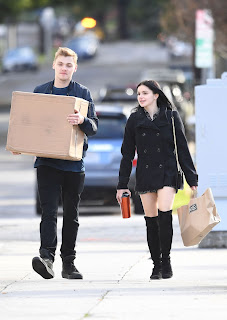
149	131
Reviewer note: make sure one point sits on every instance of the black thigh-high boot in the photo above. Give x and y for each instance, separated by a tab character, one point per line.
166	237
153	241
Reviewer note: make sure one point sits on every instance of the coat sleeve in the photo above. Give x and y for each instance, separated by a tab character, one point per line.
90	124
184	155
36	90
128	153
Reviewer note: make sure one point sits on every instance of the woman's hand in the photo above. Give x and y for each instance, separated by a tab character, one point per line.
194	188
75	118
120	193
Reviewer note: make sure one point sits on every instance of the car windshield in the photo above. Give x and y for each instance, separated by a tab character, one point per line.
110	128
79	41
122	94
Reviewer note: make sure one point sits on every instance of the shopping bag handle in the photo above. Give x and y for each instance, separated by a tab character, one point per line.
194	194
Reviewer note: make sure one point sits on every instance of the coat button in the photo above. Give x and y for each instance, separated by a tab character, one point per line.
157	134
160	166
146	166
145	151
143	134
158	150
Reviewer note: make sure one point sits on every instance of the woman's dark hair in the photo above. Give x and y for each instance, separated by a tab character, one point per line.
154	86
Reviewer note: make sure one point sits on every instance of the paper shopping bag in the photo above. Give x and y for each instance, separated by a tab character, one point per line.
198	218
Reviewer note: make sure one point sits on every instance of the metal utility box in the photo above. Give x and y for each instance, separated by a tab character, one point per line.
211	142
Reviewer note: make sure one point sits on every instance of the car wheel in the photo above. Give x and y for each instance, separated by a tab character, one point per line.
138	207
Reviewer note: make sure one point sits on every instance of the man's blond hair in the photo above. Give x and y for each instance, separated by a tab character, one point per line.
66	52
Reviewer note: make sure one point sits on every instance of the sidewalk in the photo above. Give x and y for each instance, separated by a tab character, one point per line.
116	278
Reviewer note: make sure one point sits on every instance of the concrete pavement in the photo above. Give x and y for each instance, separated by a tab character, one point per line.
112	255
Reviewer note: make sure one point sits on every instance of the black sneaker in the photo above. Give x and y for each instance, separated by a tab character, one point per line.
72	275
43	267
69	271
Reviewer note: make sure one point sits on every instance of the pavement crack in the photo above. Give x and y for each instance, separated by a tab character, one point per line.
11	283
88	314
130	268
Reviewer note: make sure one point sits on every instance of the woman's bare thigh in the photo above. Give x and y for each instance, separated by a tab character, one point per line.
166	197
149	201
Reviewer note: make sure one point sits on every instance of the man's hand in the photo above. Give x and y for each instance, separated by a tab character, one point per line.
75	118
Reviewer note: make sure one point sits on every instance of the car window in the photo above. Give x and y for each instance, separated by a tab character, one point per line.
19	52
110	128
122	94
25	52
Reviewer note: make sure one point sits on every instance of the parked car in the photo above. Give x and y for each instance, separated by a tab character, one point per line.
19	59
173	83
103	161
178	49
118	93
164	75
86	45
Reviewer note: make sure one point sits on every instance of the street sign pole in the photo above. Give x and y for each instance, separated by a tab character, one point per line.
47	21
204	36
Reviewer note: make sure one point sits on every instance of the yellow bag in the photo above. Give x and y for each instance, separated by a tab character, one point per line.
197	218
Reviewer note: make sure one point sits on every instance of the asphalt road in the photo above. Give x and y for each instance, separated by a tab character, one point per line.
116	63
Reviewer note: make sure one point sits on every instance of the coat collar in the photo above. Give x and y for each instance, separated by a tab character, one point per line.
49	88
160	121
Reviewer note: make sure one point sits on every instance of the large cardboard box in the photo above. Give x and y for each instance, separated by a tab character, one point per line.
38	125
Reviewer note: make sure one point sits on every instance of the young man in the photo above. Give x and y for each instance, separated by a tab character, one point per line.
56	177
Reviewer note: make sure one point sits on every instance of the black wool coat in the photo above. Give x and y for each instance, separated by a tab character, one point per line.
154	143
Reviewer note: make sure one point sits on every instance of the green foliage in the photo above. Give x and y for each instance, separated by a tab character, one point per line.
141	17
11	10
144	16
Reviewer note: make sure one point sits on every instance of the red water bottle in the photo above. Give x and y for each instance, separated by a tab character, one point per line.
125	205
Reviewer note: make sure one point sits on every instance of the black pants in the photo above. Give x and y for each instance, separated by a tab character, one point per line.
51	184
